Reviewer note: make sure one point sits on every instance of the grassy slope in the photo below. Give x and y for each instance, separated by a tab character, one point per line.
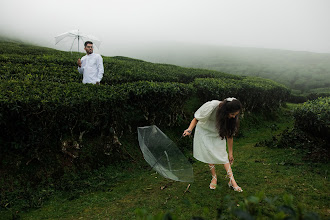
126	187
274	171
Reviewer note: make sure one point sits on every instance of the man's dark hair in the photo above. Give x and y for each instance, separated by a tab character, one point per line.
88	42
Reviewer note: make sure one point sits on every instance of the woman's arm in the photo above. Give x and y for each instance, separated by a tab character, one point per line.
230	142
190	128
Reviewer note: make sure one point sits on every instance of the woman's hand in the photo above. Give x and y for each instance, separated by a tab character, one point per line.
231	159
186	132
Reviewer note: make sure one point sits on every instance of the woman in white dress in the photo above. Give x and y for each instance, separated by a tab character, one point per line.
215	122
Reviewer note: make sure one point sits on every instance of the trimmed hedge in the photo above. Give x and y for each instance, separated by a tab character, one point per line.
43	102
39	68
313	117
36	117
60	67
256	94
122	69
310	133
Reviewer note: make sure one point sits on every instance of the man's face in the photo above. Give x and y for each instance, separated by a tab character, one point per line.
89	48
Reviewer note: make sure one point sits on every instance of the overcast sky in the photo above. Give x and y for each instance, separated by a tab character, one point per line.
300	25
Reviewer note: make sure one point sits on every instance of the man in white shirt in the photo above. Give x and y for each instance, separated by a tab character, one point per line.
91	65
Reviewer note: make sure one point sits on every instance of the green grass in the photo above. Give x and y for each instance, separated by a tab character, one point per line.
271	170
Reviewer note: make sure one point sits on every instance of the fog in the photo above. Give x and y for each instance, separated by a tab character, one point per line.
125	26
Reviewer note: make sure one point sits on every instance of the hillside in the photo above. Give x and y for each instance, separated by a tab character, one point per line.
66	146
302	71
44	103
22	63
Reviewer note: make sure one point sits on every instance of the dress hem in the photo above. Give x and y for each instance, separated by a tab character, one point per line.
210	162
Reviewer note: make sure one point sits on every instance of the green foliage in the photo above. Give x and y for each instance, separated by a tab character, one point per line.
313	117
313	96
20	62
43	102
142	214
297	98
256	94
311	131
51	123
123	69
261	207
45	127
38	114
252	207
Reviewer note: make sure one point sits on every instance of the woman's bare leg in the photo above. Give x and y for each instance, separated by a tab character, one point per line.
231	178
213	183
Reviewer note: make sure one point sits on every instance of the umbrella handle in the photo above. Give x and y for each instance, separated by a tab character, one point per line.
168	161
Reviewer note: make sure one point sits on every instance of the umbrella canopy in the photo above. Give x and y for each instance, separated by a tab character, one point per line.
163	155
76	35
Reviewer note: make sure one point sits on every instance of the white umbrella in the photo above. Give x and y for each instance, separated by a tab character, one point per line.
76	35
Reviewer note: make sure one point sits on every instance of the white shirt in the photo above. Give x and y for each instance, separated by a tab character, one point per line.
91	68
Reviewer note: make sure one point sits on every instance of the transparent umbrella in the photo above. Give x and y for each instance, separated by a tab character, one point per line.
163	155
77	35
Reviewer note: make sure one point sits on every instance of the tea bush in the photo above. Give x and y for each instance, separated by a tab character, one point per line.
45	110
121	69
311	131
313	117
256	94
51	123
37	117
257	206
43	101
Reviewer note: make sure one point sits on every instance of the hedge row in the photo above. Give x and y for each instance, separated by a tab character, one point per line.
14	47
42	68
123	69
311	132
256	94
37	116
60	67
43	102
313	117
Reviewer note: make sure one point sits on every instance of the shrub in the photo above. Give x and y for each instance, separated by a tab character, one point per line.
297	98
38	118
313	117
313	96
61	67
256	94
252	207
311	131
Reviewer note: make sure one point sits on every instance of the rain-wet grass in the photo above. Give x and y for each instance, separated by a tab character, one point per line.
272	170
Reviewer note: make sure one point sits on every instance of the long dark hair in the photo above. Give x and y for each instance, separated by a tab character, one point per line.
228	127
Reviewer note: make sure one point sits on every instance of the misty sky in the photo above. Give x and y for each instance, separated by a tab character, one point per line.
301	25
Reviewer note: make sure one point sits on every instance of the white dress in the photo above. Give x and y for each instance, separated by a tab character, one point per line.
208	145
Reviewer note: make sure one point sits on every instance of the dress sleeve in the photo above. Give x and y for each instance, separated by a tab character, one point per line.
204	112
